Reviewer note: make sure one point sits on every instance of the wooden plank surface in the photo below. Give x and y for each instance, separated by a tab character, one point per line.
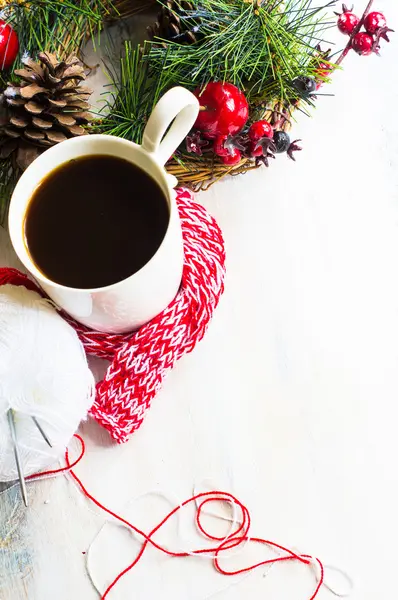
290	402
15	547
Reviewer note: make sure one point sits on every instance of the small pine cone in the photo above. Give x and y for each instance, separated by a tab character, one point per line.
46	106
176	22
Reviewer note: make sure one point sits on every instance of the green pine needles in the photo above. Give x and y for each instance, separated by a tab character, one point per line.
58	26
260	47
137	85
136	88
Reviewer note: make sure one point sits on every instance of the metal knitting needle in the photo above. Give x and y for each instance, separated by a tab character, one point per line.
22	483
43	433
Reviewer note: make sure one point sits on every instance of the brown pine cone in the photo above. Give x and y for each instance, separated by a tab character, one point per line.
46	106
176	22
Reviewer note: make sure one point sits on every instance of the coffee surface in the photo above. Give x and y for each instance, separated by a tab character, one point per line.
94	221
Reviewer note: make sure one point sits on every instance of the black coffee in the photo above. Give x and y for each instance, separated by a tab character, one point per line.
94	221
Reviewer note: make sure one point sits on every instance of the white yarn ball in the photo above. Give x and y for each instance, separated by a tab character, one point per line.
44	374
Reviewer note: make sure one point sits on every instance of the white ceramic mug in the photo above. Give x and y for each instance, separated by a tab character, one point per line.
127	304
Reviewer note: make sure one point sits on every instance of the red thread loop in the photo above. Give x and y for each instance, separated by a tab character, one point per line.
235	538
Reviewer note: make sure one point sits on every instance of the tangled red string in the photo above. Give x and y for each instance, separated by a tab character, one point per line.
234	539
141	359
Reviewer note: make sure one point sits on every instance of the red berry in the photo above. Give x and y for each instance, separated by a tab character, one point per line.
260	129
374	21
224	109
224	147
233	158
9	45
255	149
362	43
219	146
347	22
322	71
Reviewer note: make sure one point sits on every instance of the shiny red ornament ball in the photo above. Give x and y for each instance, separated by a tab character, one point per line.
374	21
223	109
9	46
347	22
260	129
362	43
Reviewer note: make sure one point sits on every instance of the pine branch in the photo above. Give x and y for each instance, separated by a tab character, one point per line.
138	87
260	48
59	26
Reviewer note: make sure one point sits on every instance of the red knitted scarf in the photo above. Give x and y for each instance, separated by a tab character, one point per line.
140	360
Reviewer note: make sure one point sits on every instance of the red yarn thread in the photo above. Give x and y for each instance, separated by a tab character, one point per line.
140	360
233	540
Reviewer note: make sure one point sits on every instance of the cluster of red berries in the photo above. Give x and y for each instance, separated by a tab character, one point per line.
367	41
224	112
257	143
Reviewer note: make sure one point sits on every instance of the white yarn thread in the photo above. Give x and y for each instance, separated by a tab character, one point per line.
90	568
328	585
43	374
349	582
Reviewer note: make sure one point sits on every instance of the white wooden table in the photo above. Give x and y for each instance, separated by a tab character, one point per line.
290	402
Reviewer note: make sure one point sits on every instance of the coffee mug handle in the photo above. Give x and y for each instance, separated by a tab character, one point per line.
176	112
